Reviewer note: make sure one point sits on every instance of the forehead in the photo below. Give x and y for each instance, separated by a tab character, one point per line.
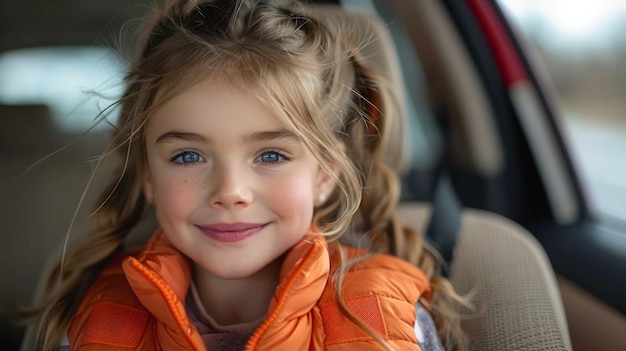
213	105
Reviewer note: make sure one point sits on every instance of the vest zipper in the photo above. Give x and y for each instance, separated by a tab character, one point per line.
253	342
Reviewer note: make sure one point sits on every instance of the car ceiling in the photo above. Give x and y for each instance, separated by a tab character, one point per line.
66	22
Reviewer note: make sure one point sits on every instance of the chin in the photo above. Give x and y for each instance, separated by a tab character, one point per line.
229	271
241	268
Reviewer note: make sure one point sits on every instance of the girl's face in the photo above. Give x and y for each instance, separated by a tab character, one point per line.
232	187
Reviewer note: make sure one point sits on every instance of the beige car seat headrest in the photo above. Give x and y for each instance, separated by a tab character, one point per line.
377	48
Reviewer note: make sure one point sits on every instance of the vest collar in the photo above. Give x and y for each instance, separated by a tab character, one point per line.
160	276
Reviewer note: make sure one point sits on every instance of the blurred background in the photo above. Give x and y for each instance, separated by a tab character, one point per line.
579	45
581	48
59	69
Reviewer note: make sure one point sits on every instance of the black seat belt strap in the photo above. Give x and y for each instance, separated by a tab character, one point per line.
445	220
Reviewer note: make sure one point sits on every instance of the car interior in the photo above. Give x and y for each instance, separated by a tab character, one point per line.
487	178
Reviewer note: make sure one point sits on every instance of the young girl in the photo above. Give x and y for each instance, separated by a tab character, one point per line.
260	138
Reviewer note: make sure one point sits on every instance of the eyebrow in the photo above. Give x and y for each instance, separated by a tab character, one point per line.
181	136
272	135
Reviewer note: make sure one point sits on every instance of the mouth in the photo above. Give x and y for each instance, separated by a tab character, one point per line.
231	232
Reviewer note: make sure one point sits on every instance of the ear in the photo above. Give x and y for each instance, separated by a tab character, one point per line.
324	187
148	185
325	183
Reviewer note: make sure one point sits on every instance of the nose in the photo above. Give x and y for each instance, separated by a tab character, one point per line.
230	189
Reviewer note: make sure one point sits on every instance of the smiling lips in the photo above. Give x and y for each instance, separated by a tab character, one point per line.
231	232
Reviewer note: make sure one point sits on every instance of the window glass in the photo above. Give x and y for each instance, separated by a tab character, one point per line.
76	83
581	46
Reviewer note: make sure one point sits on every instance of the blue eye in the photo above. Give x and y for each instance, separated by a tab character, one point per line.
271	157
188	157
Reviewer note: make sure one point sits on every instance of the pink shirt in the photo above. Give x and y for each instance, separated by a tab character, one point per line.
217	337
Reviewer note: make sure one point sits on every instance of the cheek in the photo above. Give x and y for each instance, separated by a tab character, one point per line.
175	197
293	196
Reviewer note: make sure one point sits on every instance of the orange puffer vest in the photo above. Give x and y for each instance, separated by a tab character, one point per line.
137	303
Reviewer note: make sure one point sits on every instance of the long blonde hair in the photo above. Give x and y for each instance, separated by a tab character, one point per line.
316	82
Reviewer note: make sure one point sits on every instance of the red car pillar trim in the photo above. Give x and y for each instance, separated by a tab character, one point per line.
507	58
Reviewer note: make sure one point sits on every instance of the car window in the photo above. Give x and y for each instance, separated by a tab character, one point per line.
75	82
580	47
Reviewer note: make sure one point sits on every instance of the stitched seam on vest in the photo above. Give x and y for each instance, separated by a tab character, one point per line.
290	280
367	265
113	324
423	282
168	294
396	297
418	271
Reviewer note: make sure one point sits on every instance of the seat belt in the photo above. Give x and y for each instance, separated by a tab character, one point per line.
445	220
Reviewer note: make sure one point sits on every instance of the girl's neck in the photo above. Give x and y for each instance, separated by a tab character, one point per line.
235	301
